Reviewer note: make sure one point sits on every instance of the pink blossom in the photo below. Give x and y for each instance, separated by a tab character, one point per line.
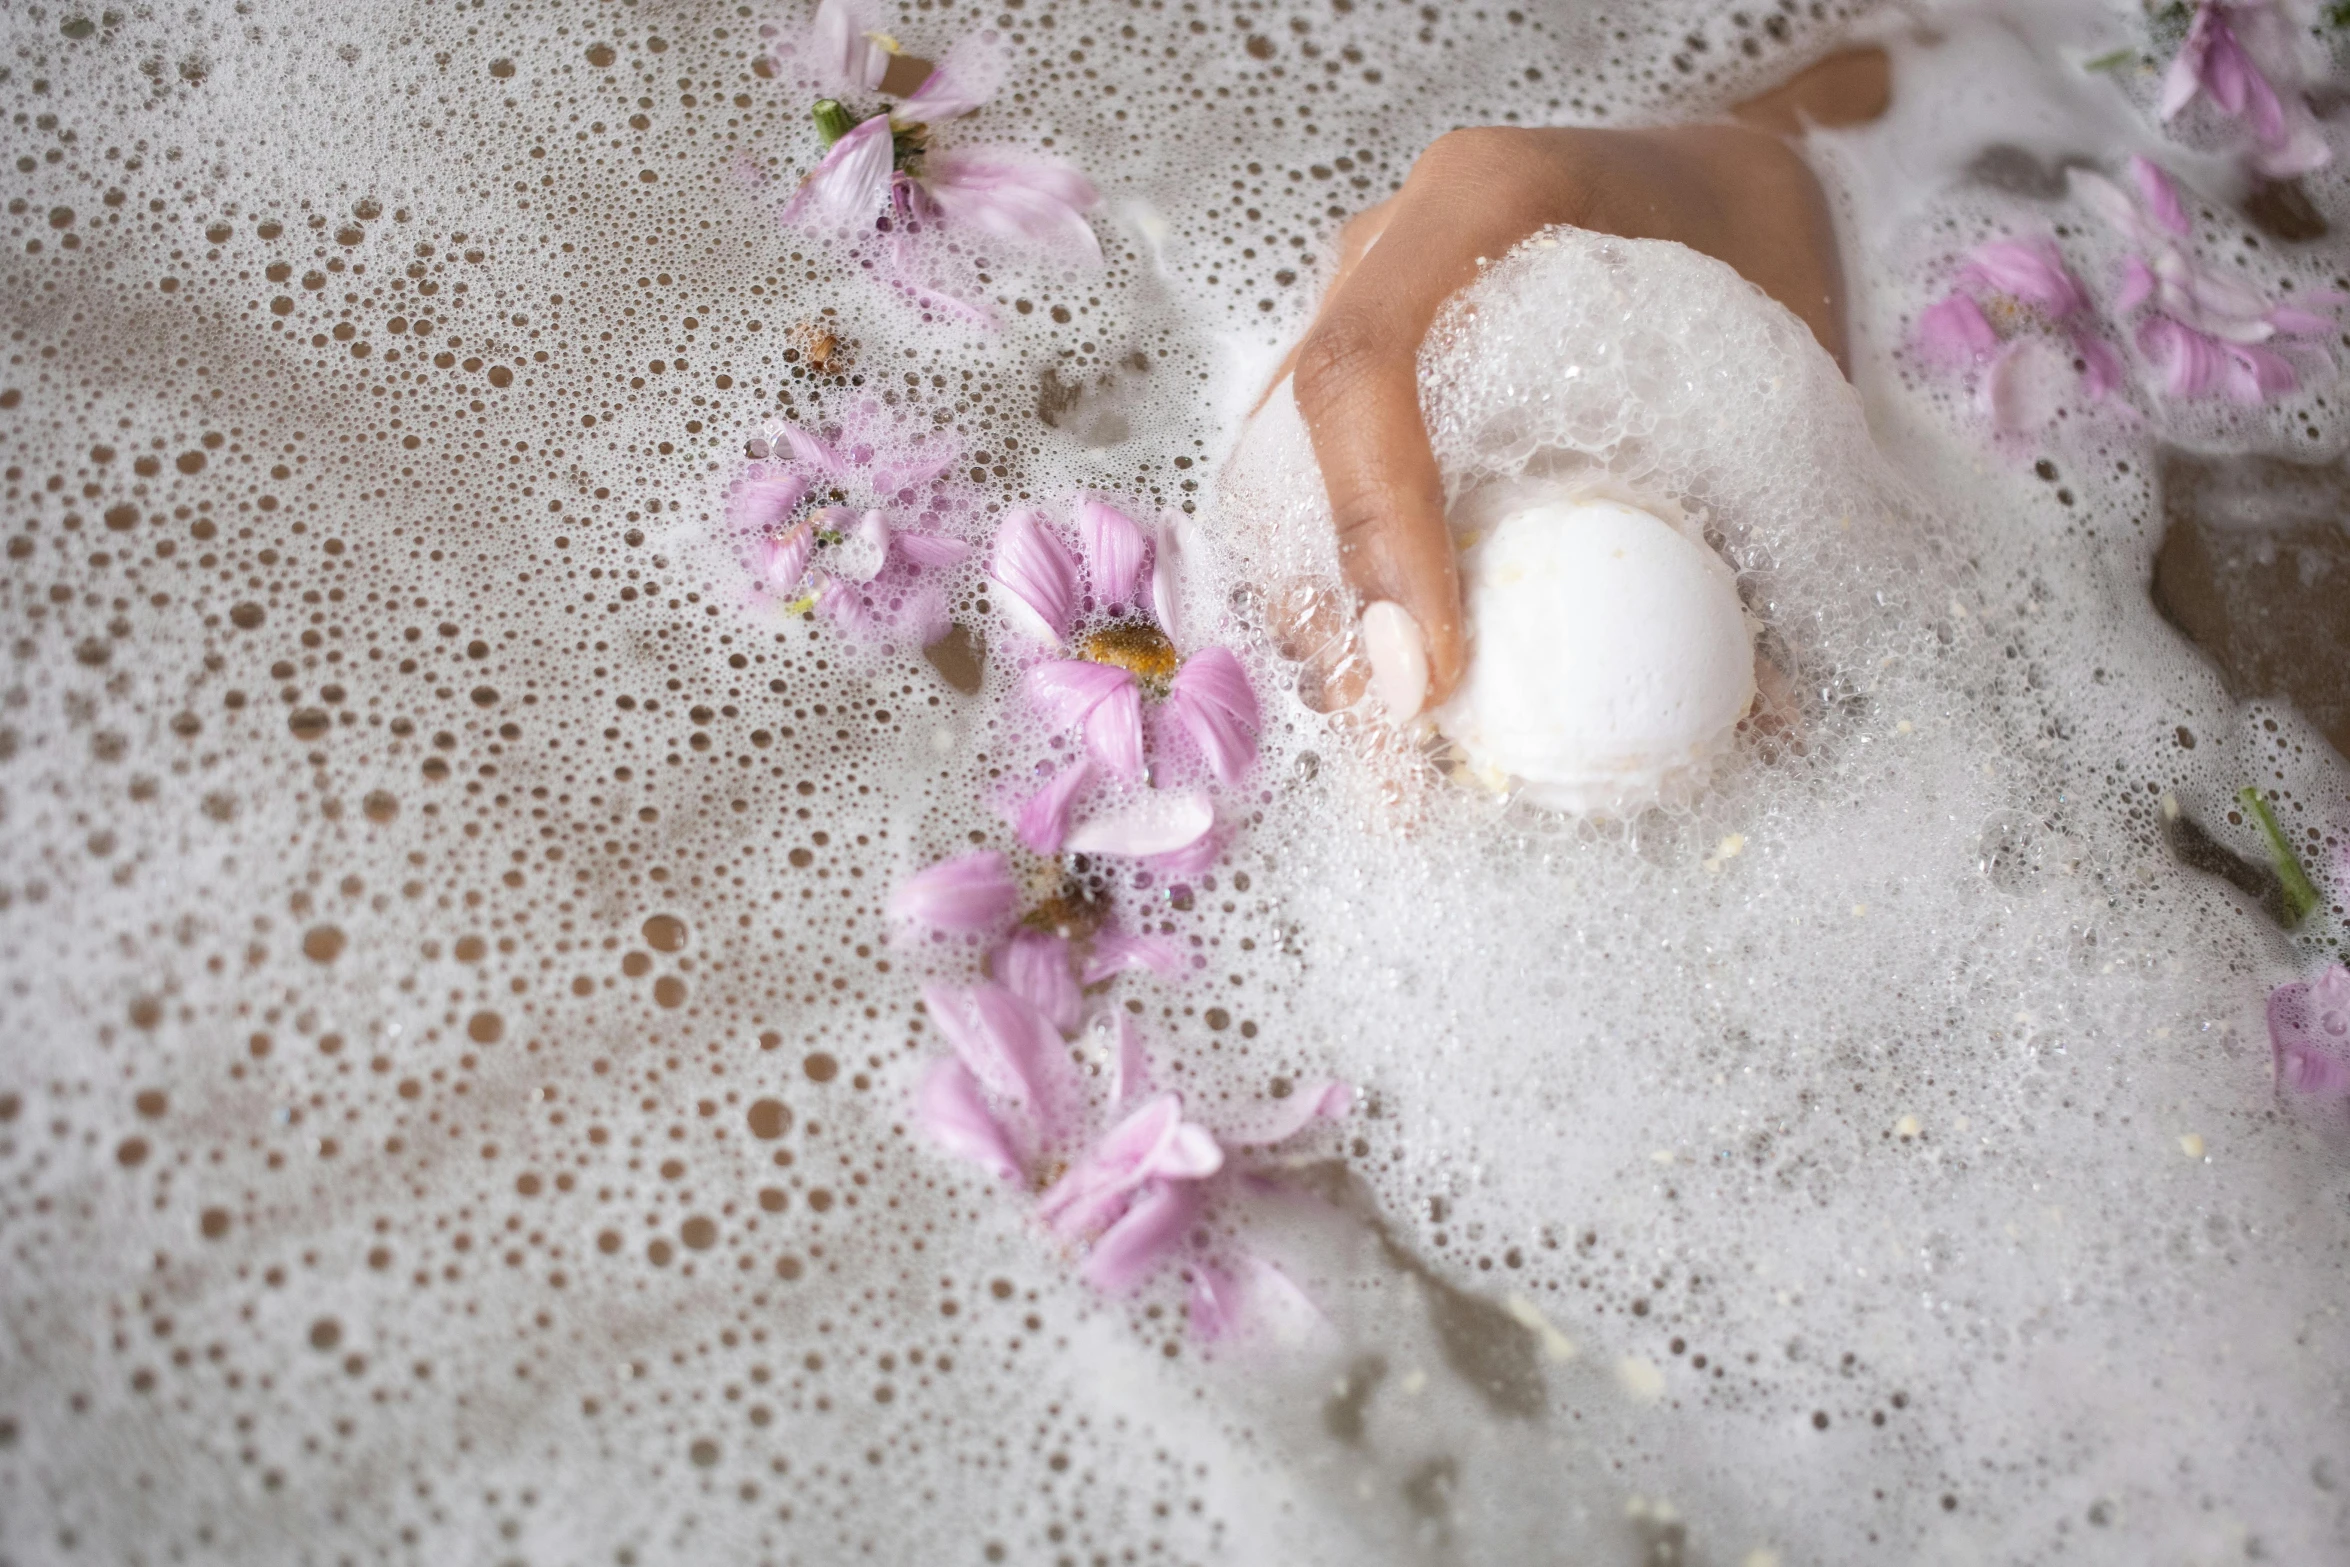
1114	549
1211	700
1167	575
1042	201
2031	270
1007	1044
970	75
1043	820
2309	1034
1157	823
846	45
952	1111
847	188
1957	330
1154	1143
1135	1246
1101	699
1040	577
1115	951
2219	60
2102	371
1036	966
969	893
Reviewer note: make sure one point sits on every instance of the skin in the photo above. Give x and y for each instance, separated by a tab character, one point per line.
1735	191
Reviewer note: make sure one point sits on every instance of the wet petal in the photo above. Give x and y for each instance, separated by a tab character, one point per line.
764	500
1114	549
1039	577
1115	951
1318	1100
780	564
1153	1143
843	48
864	547
2160	195
971	74
1211	700
2309	1034
1157	823
950	1109
1012	196
1956	331
2031	270
1044	819
1100	699
846	190
1037	967
1153	1227
1130	1072
1007	1044
932	551
970	892
2102	371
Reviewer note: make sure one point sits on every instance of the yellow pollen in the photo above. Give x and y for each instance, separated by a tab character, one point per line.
1141	650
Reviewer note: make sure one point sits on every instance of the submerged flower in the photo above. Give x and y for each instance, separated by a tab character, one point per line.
2207	333
2036	297
2309	1034
2217	61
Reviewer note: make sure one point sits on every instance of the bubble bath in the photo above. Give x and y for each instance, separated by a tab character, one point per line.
458	1104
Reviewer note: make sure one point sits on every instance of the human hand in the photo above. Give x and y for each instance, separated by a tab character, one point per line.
1738	194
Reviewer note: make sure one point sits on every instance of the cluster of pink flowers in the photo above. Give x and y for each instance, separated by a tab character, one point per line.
882	177
2220	62
870	566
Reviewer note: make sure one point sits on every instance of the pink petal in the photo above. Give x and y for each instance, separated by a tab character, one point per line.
968	893
2299	323
1044	820
1153	1143
1042	201
2309	1034
843	605
810	448
2102	371
931	551
1115	951
845	55
2160	195
781	563
2018	389
1102	698
1008	1045
2191	362
864	547
1035	966
2184	79
921	469
1137	1243
846	190
2030	270
1130	1071
764	500
968	77
2256	375
1113	551
951	1111
2138	284
1191	859
1039	576
1215	1310
1955	330
1158	823
926	615
1167	575
1319	1099
1211	699
1254	1299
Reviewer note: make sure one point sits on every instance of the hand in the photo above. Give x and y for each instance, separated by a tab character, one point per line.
1738	194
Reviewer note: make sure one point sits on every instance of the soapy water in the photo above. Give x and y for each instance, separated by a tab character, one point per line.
457	1093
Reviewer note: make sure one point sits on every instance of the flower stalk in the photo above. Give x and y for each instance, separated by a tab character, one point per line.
2301	899
833	121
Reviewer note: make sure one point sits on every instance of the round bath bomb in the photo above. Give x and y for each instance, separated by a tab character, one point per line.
1609	660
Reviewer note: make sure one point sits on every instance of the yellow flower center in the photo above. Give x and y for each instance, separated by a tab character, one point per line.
1137	647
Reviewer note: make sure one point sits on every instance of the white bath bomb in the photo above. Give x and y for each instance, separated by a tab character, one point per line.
1610	661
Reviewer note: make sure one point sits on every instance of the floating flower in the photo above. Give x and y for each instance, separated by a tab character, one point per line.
2207	333
879	172
2039	301
2309	1034
2218	61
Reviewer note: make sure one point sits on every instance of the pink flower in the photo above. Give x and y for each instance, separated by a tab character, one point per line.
932	550
1134	1247
2218	61
1114	550
1160	822
2196	364
1009	1046
1130	1071
2031	270
1324	1099
1154	1143
969	893
1253	1299
1043	820
1099	699
951	1109
1211	700
2309	1034
1035	966
2022	375
1040	577
764	500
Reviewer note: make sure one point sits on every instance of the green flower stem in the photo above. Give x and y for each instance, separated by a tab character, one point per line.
2110	62
832	121
2300	895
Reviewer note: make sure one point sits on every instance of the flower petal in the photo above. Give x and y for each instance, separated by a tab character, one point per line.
864	547
2102	371
1040	577
780	564
1044	819
968	893
1036	966
932	551
1140	1241
2160	195
2309	1034
1957	331
1321	1099
950	1109
2137	285
1100	698
844	606
764	500
2031	270
846	190
1130	1071
844	51
1211	700
1114	549
1007	1044
1153	1143
810	448
971	74
1160	822
1039	200
1167	574
1115	951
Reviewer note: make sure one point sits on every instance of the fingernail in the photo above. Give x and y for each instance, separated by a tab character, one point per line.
1399	659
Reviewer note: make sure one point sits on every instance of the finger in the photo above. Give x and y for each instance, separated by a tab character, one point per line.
1359	234
1357	387
1849	88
